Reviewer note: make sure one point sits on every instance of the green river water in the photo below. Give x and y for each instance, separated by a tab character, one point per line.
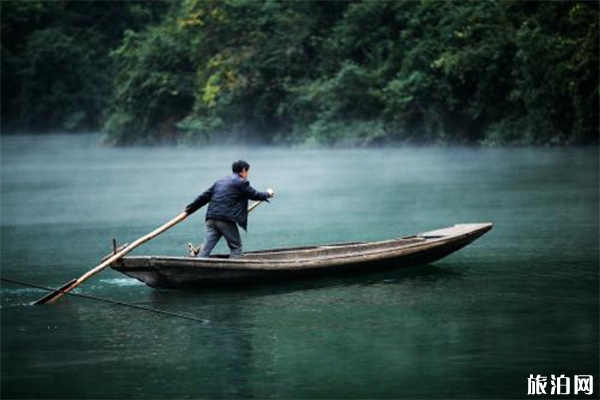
522	300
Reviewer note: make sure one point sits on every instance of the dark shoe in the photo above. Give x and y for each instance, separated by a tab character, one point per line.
193	251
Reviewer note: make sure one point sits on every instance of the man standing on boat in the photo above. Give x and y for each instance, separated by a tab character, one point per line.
227	202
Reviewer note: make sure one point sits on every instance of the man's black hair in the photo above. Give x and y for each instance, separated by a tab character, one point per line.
239	166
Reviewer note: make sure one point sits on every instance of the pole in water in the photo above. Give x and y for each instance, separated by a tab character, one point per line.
50	295
53	297
119	303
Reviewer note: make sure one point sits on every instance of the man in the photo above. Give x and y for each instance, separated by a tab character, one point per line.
228	206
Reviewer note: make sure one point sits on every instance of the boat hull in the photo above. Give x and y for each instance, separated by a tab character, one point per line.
300	263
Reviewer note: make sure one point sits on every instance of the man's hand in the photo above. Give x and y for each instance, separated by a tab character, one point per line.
271	192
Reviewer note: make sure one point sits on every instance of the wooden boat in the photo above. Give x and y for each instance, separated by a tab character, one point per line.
300	262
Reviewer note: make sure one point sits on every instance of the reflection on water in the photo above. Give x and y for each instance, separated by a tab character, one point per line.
121	282
522	300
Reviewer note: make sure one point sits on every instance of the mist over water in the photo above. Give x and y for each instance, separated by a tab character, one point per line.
521	300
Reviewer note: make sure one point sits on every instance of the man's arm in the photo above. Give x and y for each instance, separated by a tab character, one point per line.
253	194
200	201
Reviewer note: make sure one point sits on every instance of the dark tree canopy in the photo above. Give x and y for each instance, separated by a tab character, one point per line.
313	72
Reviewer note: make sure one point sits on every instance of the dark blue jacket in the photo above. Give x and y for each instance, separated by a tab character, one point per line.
228	198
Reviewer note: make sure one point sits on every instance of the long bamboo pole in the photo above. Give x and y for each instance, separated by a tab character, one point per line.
66	288
54	296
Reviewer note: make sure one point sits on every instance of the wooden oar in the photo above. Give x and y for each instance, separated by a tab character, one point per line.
54	296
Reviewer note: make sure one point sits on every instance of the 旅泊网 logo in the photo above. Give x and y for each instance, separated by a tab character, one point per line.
560	385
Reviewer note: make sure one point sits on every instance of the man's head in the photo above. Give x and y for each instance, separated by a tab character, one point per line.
241	167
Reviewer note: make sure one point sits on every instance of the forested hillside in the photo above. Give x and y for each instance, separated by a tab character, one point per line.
304	72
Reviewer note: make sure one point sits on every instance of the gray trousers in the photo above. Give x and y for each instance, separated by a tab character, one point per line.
215	228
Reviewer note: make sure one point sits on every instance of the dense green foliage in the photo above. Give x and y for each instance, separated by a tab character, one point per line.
311	72
56	71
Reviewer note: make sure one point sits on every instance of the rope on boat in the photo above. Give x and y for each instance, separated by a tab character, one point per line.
120	303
